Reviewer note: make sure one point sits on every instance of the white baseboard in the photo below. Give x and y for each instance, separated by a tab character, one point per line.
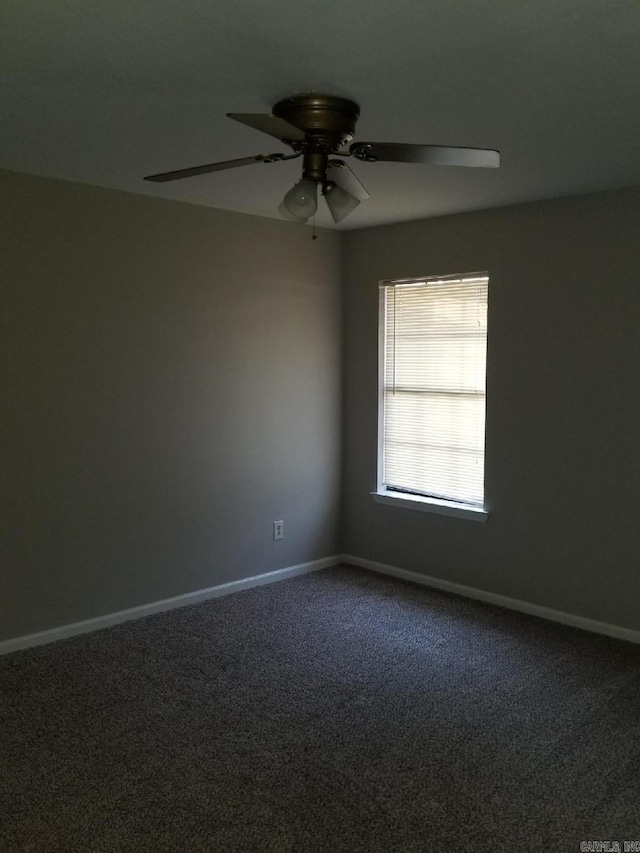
501	600
95	624
109	619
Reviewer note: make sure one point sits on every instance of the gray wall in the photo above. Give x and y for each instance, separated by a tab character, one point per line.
170	386
563	406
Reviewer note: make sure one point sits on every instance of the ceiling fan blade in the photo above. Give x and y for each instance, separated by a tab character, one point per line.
214	167
272	125
341	174
429	155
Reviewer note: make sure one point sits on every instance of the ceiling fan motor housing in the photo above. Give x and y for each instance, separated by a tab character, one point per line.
329	125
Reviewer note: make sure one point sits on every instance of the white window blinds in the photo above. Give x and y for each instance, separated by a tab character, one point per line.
434	342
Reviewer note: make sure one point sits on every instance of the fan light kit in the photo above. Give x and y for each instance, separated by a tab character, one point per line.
320	129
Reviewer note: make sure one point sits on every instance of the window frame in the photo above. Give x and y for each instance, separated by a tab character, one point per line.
411	500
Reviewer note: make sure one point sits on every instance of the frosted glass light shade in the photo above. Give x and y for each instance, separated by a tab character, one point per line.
302	199
339	201
284	211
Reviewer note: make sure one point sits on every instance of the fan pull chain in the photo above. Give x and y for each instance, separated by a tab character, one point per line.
315	236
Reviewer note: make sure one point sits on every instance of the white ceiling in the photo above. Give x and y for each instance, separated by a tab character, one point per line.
107	92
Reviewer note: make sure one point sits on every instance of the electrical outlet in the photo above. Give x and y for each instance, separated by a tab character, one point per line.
278	530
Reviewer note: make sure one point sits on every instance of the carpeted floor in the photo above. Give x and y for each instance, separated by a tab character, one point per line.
340	711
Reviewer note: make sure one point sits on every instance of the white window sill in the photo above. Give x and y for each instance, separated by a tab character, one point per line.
434	505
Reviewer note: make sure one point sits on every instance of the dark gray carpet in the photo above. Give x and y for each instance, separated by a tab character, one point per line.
340	711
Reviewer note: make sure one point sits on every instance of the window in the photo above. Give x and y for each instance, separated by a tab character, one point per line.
433	342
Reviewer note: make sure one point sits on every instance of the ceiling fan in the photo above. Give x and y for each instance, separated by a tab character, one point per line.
320	128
